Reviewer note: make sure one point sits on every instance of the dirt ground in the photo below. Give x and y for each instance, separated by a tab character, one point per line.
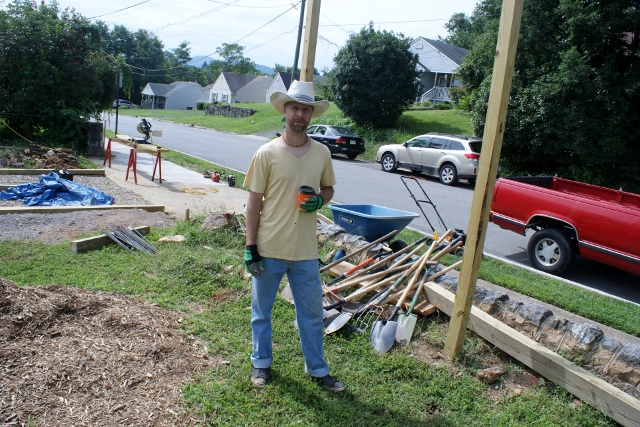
85	358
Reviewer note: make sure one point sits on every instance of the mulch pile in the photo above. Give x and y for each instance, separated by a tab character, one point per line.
86	358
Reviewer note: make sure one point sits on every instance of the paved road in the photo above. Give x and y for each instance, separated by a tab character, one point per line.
365	183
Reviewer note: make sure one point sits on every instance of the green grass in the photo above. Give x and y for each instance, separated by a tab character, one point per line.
201	166
395	389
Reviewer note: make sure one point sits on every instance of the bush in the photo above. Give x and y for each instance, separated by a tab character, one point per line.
443	106
202	105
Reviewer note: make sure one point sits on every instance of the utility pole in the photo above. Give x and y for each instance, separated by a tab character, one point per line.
310	41
118	86
294	69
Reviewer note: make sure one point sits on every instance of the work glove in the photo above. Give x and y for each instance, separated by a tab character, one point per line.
252	260
314	203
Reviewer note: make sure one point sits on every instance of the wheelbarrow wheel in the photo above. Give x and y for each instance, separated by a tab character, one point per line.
459	252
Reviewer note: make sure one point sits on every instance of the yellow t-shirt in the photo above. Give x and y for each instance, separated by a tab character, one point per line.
285	232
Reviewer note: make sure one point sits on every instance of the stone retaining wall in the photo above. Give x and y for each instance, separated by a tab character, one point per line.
228	111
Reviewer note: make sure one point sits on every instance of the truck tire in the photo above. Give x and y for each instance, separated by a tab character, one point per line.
551	250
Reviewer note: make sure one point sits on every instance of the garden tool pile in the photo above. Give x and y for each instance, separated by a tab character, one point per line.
383	297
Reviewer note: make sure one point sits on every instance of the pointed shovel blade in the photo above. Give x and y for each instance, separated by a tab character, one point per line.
406	325
338	323
383	335
330	316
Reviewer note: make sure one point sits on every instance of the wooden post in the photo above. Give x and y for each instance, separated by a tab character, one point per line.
310	41
489	159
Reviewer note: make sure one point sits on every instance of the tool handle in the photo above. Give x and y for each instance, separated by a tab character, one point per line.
348	283
338	261
350	271
414	301
444	270
421	263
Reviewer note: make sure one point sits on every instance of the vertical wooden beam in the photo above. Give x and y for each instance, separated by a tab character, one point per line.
489	158
310	41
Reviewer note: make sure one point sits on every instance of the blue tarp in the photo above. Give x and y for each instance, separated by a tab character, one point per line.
52	190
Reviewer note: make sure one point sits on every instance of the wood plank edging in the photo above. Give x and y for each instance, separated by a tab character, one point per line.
598	393
11	171
97	242
61	209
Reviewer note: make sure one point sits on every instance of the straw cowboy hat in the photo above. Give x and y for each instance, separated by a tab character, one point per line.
301	92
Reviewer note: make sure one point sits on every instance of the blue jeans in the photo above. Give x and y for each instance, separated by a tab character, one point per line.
306	287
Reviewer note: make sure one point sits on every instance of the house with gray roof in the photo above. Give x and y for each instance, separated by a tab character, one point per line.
282	80
439	62
174	96
231	87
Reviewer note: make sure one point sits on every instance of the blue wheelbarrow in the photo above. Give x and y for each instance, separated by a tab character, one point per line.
370	221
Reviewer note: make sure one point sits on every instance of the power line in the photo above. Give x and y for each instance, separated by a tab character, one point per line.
199	15
120	10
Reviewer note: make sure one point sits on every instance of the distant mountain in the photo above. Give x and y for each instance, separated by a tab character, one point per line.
265	70
197	62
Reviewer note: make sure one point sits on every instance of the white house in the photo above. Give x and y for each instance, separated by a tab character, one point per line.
282	80
174	96
232	87
439	62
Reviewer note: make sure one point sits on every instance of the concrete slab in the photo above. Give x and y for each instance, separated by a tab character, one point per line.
181	188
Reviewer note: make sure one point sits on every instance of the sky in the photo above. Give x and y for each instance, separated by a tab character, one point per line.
268	29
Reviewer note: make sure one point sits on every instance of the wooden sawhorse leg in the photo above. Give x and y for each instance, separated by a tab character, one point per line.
132	163
107	154
158	165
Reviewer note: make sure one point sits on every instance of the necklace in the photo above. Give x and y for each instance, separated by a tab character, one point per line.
294	146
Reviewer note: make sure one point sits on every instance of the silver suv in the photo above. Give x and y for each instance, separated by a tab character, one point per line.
451	157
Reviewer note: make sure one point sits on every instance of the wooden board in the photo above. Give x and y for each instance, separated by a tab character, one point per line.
97	242
141	148
11	171
59	209
598	393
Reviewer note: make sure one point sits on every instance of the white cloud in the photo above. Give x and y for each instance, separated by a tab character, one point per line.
209	23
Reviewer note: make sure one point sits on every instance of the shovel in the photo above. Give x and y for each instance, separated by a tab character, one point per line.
407	321
383	334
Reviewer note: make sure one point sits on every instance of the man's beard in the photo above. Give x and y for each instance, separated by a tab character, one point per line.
297	126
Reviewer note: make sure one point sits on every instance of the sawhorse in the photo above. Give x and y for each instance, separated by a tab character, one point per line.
151	149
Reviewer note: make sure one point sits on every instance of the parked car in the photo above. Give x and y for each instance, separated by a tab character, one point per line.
338	139
123	103
451	157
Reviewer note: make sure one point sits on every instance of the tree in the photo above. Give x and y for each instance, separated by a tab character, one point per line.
233	59
375	77
53	74
575	97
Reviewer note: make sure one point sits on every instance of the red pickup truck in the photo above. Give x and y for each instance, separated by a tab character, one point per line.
570	218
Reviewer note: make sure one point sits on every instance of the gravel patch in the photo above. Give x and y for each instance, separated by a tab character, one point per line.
104	184
59	227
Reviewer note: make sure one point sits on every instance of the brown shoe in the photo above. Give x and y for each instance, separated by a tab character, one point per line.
259	377
329	383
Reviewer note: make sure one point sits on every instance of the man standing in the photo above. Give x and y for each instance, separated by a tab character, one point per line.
281	232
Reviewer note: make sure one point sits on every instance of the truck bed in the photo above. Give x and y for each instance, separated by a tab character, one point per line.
581	189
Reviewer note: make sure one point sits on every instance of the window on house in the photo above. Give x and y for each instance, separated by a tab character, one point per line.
214	97
224	97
